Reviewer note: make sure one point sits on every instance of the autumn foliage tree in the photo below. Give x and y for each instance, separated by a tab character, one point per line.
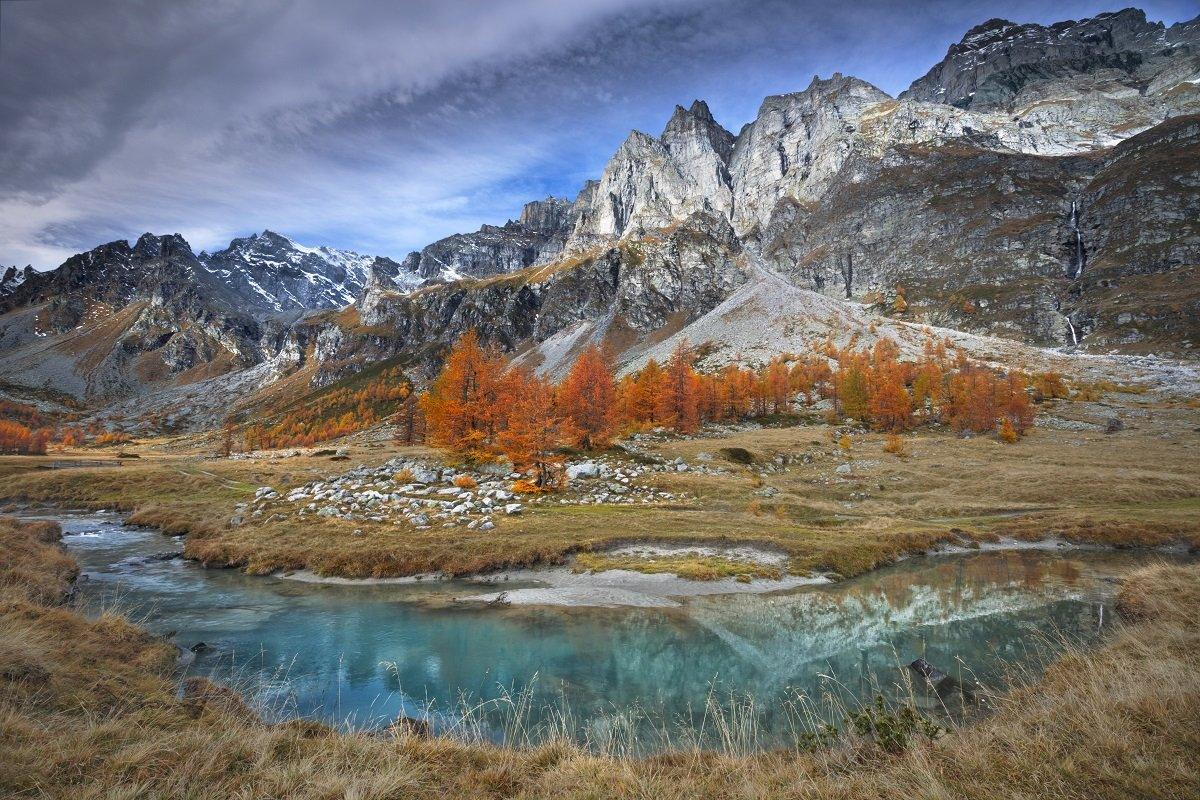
972	400
641	395
410	421
461	408
890	404
17	438
853	387
532	428
588	401
480	406
677	398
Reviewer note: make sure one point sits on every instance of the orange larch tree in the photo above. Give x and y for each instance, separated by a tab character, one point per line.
736	390
642	404
1013	404
971	402
853	387
891	406
533	425
462	411
778	386
677	402
587	397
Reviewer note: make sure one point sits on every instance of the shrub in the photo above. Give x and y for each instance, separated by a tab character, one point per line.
1049	385
845	443
465	482
1007	432
894	445
113	437
16	438
404	476
892	729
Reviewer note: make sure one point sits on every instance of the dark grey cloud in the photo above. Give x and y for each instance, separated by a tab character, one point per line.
381	126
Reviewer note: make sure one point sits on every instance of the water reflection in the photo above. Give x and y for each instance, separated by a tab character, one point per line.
367	654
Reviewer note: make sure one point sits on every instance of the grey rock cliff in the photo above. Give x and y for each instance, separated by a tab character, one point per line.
999	63
627	290
537	236
650	183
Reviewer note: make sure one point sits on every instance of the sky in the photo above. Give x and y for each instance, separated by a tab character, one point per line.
381	127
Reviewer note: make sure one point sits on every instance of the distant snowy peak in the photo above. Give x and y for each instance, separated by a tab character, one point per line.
276	274
12	277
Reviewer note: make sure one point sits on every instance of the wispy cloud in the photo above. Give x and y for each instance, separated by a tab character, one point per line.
383	126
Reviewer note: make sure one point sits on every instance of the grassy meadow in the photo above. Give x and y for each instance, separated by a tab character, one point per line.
1067	478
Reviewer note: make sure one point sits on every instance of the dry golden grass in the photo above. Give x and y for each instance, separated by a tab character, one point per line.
89	709
691	567
35	567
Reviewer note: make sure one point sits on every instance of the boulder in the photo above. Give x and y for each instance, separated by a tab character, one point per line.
585	469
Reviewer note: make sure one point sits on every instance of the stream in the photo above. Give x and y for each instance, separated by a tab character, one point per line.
361	655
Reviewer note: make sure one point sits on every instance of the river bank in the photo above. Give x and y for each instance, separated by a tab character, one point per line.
364	653
1125	716
655	578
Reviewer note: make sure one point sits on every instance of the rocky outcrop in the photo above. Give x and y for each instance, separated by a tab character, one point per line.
12	277
623	292
1001	65
1044	252
967	250
795	145
549	217
1138	284
650	183
536	237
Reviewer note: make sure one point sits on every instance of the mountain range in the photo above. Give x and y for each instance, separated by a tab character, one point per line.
1039	185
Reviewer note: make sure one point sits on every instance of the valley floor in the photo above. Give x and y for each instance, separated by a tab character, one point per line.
823	510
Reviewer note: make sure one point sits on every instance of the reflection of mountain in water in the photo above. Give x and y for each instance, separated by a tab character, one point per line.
368	653
959	609
971	610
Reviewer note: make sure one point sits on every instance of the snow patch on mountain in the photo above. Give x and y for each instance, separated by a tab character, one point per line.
276	274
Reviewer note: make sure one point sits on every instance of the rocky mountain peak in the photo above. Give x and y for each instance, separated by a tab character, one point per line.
796	144
698	112
637	143
151	246
547	217
691	130
649	183
999	61
275	274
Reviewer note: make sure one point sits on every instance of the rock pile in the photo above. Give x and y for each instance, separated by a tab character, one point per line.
425	494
